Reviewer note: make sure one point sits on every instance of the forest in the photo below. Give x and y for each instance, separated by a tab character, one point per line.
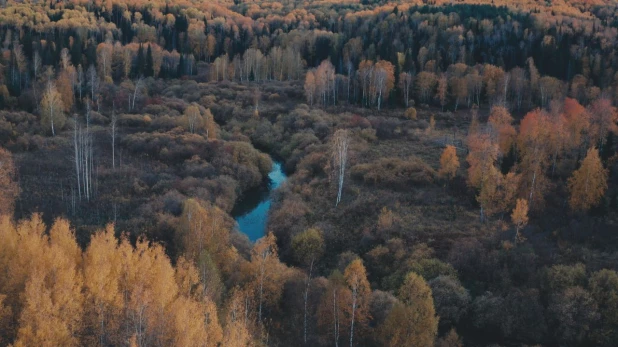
452	172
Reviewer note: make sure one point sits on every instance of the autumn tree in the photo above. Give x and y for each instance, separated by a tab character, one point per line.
384	80
102	267
52	109
501	121
603	118
334	306
495	190
492	76
520	216
576	125
588	183
104	60
148	287
519	85
210	126
202	233
549	88
109	294
425	85
193	323
308	247
192	118
412	321
483	154
52	301
533	143
65	84
268	272
458	89
239	318
325	82
356	278
365	72
405	84
449	163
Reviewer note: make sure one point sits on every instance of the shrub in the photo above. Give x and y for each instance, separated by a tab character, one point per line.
411	113
395	173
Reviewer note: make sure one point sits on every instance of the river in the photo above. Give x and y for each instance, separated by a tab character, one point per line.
251	212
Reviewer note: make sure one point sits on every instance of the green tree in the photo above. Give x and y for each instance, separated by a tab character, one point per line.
149	64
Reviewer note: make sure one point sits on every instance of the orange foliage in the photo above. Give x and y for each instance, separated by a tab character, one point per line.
501	120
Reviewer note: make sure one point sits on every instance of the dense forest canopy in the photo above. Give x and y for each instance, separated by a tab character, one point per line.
452	172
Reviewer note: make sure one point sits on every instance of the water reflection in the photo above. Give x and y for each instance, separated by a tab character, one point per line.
251	213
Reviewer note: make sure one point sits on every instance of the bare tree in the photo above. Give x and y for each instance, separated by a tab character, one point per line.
136	90
36	68
350	69
406	80
93	81
80	80
83	156
341	142
113	129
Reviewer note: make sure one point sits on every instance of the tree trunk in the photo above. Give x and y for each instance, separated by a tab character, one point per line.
354	295
306	299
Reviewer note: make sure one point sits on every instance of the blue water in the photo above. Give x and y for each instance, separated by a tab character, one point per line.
251	213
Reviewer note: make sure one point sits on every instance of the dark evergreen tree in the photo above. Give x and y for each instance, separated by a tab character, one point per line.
181	66
91	54
140	62
149	66
76	50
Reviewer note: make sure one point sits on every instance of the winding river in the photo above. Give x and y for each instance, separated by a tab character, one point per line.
251	212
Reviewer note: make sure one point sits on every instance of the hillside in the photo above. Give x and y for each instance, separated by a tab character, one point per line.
450	173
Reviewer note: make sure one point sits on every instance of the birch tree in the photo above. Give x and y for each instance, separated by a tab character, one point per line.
310	86
93	81
340	144
268	272
308	248
83	157
193	118
356	278
113	129
405	83
384	80
52	109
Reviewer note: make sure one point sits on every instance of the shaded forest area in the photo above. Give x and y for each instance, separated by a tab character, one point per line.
452	173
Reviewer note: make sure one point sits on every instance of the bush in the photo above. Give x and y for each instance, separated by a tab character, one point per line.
395	173
450	298
411	113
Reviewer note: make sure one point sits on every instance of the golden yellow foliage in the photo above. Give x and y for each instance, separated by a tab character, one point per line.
588	183
449	163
